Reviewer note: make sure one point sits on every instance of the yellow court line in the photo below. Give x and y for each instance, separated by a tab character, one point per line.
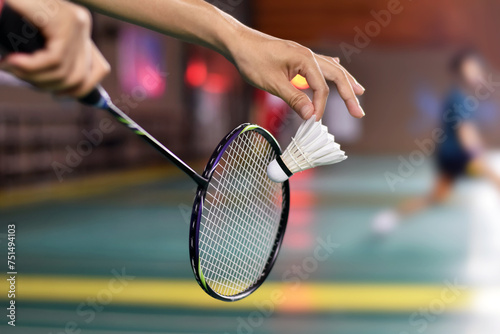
302	297
89	186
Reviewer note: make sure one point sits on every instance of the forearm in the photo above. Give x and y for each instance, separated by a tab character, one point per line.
190	20
266	62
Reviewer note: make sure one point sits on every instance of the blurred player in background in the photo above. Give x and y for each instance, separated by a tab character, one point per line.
461	151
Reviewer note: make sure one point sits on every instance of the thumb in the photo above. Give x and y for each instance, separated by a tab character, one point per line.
297	100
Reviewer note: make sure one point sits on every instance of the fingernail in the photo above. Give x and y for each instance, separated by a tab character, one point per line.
306	110
360	108
359	85
353	104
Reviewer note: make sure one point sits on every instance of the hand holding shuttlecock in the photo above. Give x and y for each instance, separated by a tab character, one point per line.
312	146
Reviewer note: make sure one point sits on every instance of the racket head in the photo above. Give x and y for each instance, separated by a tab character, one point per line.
228	260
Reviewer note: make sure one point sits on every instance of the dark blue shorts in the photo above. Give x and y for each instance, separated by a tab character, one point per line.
453	163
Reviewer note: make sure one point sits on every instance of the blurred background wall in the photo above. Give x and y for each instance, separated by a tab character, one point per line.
189	97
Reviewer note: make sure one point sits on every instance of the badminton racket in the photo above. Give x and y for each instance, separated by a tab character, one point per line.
239	215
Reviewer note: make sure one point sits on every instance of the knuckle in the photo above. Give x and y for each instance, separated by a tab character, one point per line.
299	48
345	78
292	44
106	68
295	99
323	91
54	62
339	74
73	80
82	16
307	53
59	76
56	58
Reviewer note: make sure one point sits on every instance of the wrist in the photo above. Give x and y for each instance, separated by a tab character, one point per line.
228	36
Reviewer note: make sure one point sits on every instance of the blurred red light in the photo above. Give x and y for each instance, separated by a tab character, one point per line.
152	81
300	82
196	73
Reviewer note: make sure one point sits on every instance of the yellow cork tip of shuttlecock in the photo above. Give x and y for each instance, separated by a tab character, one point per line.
312	146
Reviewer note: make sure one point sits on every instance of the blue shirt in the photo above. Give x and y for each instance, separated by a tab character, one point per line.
457	110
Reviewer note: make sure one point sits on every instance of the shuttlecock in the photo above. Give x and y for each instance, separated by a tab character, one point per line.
312	146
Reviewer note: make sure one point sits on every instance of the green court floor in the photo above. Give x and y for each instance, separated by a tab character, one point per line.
72	243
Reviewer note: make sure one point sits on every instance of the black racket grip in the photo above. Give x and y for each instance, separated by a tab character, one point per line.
19	35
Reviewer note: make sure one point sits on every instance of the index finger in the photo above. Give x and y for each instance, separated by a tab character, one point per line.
334	72
318	84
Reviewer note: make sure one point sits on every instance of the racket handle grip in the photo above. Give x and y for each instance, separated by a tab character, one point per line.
18	35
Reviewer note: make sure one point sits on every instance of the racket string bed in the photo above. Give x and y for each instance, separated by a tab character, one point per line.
241	272
271	217
228	255
218	239
247	248
261	211
241	214
214	259
230	235
222	255
225	231
260	192
262	255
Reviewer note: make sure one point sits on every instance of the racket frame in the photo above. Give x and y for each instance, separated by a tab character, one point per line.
194	230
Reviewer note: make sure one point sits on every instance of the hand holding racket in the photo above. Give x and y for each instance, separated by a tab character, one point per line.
69	62
239	215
